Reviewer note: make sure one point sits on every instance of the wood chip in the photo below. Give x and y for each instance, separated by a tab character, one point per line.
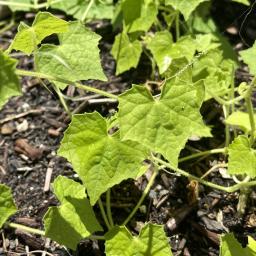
7	129
22	146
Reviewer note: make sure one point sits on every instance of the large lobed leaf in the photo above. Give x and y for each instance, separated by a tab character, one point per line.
151	241
74	219
101	160
45	24
165	124
7	205
231	247
242	158
76	58
9	81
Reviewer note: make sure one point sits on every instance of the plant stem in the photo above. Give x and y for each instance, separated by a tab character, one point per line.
58	79
63	102
27	229
177	25
7	27
87	10
251	114
204	182
227	134
208	152
108	205
103	213
143	196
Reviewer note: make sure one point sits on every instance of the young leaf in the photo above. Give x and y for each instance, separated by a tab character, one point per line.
101	160
74	219
9	81
216	72
248	57
45	24
76	58
126	53
242	158
7	205
164	124
131	10
184	6
151	241
76	8
231	247
241	120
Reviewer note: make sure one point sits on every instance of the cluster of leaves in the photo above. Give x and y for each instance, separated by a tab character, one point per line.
145	124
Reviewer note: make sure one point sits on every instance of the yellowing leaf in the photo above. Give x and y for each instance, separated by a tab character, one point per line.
163	124
231	247
126	53
248	57
7	205
186	7
242	158
9	82
74	219
151	241
45	24
76	58
101	160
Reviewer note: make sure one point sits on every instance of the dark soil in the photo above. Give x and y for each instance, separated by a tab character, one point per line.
193	228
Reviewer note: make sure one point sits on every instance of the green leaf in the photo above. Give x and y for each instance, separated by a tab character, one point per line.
76	58
248	57
242	158
45	24
131	10
76	8
184	6
231	247
164	50
245	2
241	120
163	124
20	8
7	205
9	81
74	219
151	241
145	20
126	53
160	46
101	160
216	72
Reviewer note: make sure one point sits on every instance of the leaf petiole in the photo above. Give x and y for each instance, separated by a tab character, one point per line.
25	228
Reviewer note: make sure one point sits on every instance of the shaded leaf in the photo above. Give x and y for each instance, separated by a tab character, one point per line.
101	160
9	81
151	241
74	219
7	205
76	58
184	6
126	53
242	158
45	24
